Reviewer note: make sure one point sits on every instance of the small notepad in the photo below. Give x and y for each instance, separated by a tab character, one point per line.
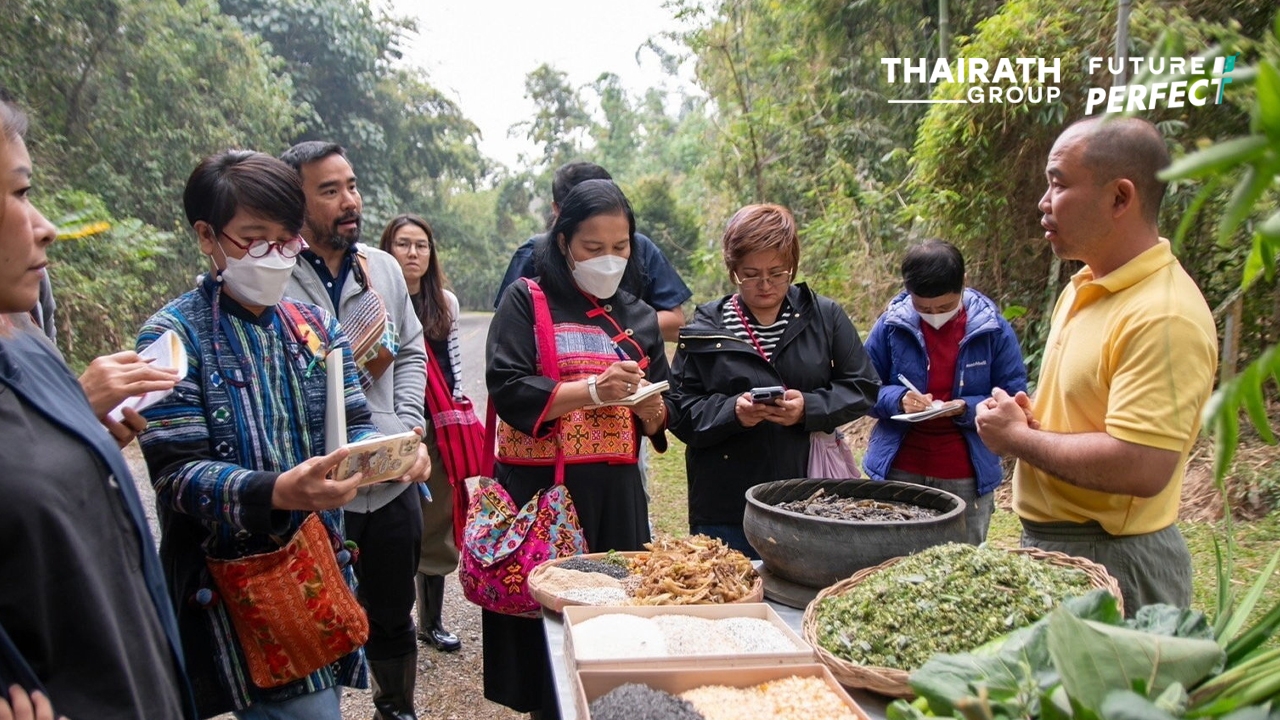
166	352
635	397
940	408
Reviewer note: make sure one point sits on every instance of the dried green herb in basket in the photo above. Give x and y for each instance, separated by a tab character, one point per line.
950	598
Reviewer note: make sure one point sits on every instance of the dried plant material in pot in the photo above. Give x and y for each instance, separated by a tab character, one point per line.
835	507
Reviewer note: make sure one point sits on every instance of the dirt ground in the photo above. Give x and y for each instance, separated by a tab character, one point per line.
449	684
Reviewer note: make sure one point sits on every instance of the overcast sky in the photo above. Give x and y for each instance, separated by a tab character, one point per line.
479	51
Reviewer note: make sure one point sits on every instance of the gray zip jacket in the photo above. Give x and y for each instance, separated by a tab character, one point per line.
397	398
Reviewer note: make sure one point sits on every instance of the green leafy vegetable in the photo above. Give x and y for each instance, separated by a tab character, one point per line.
890	619
1094	659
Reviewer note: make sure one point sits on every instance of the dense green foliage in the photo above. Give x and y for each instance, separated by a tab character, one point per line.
979	167
403	136
127	95
1253	161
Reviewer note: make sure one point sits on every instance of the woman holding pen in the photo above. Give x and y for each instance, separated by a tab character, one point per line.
607	346
940	346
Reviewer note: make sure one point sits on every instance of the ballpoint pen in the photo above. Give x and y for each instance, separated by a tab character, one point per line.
903	379
618	349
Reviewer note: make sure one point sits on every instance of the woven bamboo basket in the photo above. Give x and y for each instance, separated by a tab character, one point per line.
893	681
555	603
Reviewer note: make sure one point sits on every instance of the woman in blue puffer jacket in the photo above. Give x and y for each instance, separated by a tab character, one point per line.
940	345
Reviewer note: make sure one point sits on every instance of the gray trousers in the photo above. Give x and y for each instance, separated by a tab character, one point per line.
977	509
1150	568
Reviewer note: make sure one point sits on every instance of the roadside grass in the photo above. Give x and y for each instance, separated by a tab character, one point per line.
1255	541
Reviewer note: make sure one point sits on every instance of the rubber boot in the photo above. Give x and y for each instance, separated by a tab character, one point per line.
430	604
393	682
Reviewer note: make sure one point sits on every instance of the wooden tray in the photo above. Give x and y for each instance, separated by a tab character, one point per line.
576	615
555	603
594	683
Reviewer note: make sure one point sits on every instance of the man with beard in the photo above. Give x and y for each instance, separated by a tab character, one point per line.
365	289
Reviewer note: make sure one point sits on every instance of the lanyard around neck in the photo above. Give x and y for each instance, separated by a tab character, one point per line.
746	325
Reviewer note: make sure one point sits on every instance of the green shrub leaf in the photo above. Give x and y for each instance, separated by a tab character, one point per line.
1096	660
1216	158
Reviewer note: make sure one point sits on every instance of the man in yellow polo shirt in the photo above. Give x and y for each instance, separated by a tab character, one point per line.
1130	362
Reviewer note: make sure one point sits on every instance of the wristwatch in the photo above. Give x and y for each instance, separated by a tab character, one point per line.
591	390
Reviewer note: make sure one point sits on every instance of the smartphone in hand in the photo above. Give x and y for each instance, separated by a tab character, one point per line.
767	395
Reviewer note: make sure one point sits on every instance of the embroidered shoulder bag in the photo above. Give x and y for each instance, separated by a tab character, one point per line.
291	608
503	543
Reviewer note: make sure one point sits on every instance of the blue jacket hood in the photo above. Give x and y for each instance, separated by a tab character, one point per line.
982	314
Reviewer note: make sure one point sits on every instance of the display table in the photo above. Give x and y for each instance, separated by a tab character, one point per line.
566	691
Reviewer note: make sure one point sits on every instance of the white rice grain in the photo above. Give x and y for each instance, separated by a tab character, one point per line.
617	636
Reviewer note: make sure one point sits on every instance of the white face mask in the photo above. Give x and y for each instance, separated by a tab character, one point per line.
937	320
258	281
600	276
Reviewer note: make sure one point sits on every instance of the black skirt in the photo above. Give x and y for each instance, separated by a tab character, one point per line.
615	516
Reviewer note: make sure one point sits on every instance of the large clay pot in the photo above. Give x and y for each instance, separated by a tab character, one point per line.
818	552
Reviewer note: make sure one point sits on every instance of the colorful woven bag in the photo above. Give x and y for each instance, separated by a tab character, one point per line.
291	608
503	543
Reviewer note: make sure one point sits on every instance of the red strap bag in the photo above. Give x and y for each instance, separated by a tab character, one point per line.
460	438
502	542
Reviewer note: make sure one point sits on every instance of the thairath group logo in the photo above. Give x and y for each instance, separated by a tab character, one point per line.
1030	80
1035	81
1193	88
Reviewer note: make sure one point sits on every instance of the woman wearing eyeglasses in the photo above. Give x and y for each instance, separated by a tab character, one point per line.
770	333
236	452
412	243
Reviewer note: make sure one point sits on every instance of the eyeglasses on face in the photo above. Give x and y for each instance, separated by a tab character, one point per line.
402	246
260	247
759	281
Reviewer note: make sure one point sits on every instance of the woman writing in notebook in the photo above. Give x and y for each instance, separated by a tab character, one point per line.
940	343
607	344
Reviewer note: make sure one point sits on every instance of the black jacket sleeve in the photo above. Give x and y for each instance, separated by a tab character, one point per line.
854	382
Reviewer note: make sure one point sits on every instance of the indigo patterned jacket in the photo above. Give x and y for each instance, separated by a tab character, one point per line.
251	406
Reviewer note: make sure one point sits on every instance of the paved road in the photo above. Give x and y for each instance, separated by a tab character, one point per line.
473	330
